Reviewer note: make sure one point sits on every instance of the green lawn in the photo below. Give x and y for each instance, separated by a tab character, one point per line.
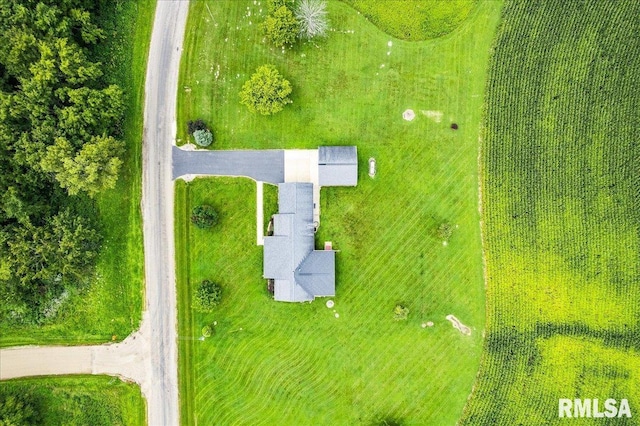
111	304
279	363
560	182
81	400
415	20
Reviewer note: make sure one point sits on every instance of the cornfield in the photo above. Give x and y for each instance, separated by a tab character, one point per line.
561	212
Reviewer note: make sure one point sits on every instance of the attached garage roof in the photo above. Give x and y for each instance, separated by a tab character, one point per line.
337	165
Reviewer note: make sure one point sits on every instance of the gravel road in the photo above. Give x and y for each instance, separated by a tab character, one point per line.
157	209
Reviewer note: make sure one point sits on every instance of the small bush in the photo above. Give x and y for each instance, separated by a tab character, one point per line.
206	331
204	216
207	296
445	230
194	125
400	313
203	137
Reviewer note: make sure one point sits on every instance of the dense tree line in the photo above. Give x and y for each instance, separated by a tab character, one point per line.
59	146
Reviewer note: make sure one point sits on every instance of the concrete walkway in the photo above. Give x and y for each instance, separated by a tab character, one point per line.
260	213
260	165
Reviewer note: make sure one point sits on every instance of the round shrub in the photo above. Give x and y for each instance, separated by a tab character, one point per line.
207	296
204	216
206	331
193	125
203	137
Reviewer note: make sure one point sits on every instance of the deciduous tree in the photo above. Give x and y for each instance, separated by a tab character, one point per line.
266	92
93	169
281	27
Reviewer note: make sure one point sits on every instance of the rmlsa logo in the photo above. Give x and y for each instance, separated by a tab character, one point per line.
591	408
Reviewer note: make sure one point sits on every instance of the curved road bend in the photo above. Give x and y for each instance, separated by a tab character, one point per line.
148	356
161	89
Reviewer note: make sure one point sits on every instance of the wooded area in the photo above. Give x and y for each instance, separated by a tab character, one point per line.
60	145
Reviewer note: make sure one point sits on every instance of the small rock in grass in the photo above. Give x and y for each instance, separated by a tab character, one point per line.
409	115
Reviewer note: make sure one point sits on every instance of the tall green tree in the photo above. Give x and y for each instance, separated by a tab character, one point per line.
60	251
281	27
266	92
93	169
59	124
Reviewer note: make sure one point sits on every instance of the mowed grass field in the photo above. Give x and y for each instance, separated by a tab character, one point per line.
292	364
110	306
80	400
561	211
415	20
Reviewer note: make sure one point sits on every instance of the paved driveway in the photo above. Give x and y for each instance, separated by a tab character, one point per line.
263	165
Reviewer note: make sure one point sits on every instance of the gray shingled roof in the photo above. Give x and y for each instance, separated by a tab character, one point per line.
300	272
337	155
337	166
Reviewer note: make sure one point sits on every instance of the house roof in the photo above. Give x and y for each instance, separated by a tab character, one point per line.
337	166
300	273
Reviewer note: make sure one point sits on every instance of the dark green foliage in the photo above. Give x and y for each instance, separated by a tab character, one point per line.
388	421
281	27
203	137
193	125
59	124
93	169
207	296
204	216
267	92
41	261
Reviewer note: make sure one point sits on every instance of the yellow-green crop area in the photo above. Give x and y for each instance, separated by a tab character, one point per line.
270	362
561	212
